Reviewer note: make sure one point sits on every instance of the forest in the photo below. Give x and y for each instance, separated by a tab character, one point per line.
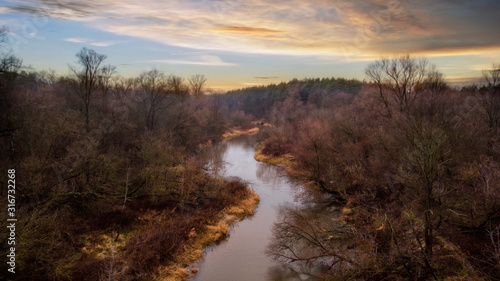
111	180
112	183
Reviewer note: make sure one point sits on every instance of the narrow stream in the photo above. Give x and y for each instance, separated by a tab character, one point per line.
242	256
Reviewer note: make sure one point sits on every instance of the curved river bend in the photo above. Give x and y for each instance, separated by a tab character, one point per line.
242	256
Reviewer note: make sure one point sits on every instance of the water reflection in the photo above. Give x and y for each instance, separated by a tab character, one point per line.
243	256
260	247
310	239
270	174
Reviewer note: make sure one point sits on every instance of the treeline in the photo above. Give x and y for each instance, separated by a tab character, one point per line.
259	100
416	165
109	177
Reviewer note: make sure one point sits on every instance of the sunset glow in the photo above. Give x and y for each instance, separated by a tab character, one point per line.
234	43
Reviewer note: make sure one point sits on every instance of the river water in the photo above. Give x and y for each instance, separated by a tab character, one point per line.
242	256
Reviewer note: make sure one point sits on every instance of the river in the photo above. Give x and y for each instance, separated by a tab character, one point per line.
242	256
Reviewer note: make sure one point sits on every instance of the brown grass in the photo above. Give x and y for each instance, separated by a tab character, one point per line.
164	243
286	161
213	233
238	131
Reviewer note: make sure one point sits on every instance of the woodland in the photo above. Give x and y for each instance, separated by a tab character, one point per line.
99	157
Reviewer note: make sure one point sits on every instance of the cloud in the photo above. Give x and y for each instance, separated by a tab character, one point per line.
345	28
205	60
5	10
77	40
104	43
266	77
91	42
246	29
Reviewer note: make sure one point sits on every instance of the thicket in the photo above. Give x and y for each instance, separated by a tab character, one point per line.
110	178
416	164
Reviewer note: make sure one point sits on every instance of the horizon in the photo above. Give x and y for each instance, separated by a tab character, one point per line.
238	44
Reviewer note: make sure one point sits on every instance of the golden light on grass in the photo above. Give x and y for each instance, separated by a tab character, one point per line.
238	131
182	267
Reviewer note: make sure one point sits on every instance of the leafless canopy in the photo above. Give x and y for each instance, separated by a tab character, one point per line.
86	77
3	34
492	77
155	89
196	83
398	80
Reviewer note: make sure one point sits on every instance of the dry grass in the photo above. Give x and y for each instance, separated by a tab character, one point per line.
284	160
193	251
238	131
138	251
99	246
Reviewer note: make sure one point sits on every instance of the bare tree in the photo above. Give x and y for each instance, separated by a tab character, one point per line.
177	87
10	113
196	83
86	79
155	89
106	78
398	80
216	119
491	96
423	165
3	34
492	77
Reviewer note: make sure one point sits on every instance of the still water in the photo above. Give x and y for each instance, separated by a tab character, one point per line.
242	256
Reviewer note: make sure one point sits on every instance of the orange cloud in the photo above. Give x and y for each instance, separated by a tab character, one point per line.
358	29
246	29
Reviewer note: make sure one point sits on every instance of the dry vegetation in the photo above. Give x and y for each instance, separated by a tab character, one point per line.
416	164
113	186
113	182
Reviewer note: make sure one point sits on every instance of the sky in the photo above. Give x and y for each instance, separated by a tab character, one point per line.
242	43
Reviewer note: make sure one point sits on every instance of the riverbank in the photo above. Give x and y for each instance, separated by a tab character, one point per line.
287	162
249	130
183	266
165	242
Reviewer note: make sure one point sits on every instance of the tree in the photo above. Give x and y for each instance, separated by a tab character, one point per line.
10	112
177	87
490	101
424	162
86	79
196	83
314	150
492	77
3	34
216	117
398	80
155	89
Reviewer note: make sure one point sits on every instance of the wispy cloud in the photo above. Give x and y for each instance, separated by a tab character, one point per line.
361	28
91	42
205	60
247	29
266	77
4	10
104	43
77	40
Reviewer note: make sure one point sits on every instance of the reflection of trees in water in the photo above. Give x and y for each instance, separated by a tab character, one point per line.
247	142
284	272
214	155
269	174
310	240
213	158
